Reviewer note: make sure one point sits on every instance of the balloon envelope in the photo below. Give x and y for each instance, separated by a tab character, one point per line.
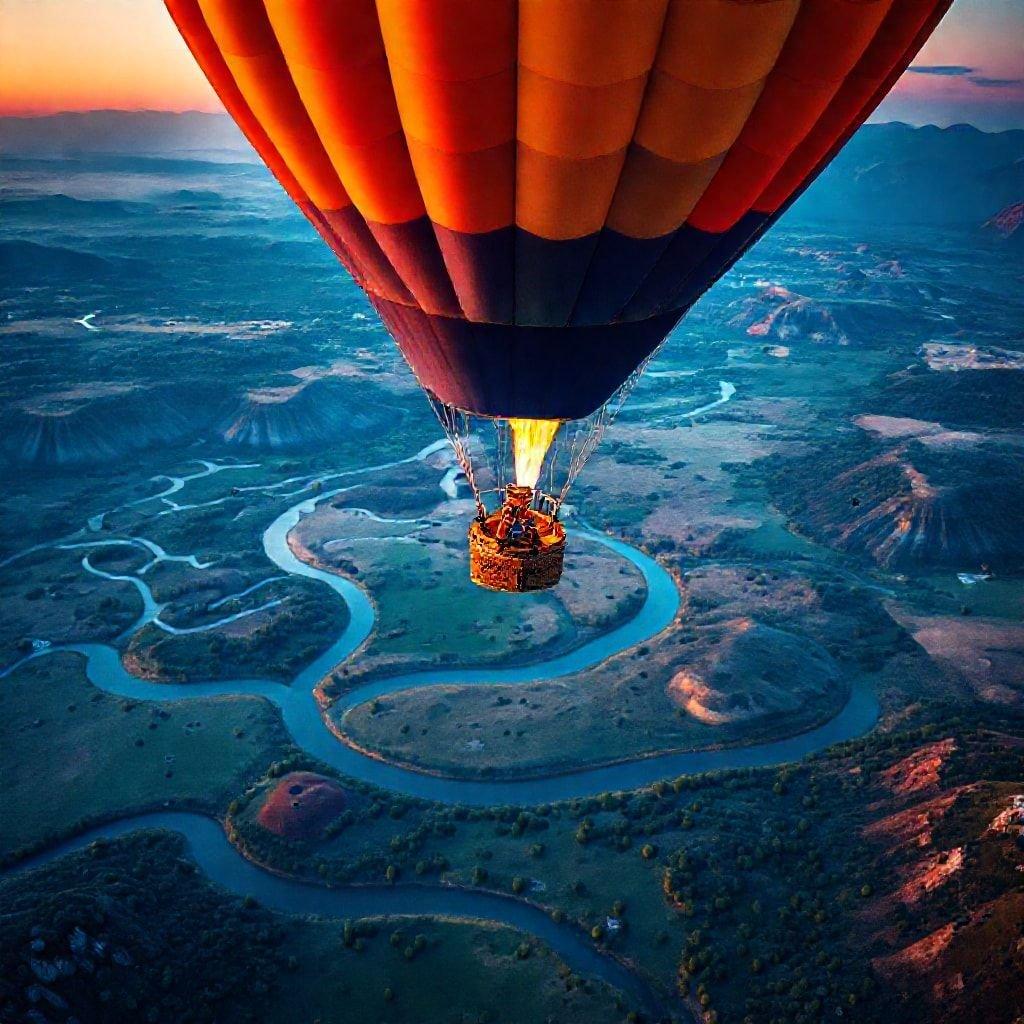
533	192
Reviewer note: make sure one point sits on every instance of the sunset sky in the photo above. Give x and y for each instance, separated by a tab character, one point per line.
126	54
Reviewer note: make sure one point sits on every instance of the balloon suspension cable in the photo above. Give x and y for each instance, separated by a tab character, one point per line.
587	435
503	453
455	424
571	447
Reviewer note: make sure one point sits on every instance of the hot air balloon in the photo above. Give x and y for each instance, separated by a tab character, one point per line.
532	193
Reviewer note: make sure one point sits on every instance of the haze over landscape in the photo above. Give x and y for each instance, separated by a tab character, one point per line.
266	754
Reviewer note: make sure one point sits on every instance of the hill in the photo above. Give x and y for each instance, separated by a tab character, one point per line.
310	412
97	423
911	505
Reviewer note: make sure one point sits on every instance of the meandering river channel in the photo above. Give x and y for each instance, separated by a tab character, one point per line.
304	720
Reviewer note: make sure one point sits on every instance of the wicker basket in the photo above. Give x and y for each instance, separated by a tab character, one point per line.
515	568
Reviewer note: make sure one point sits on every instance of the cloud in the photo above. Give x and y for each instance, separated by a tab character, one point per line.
995	83
945	70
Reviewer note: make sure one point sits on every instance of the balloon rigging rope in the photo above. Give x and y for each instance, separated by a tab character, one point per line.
602	419
585	437
449	418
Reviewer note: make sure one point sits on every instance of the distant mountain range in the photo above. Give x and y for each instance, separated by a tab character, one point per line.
888	173
124	133
893	173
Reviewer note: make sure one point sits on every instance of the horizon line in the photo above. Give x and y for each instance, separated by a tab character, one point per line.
222	113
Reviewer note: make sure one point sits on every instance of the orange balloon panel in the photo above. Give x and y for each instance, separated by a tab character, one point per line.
577	121
351	105
589	42
723	44
467	192
558	198
687	123
456	40
518	184
655	195
327	33
457	116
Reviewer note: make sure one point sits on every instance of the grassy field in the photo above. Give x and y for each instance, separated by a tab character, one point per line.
416	571
467	972
72	753
754	655
585	873
412	583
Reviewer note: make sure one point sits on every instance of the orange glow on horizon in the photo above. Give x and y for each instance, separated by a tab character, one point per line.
105	54
78	55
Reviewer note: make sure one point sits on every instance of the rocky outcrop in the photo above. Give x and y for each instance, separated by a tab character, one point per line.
778	314
1007	223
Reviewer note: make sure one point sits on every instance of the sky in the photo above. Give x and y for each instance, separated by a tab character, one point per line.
126	54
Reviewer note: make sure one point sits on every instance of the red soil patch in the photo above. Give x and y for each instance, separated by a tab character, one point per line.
301	805
913	826
919	770
919	957
929	874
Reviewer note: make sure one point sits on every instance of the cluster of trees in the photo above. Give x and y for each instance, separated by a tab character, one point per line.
140	936
770	890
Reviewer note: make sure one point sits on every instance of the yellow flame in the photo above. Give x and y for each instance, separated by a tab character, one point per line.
531	440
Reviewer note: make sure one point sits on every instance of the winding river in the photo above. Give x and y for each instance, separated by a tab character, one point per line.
223	865
304	720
